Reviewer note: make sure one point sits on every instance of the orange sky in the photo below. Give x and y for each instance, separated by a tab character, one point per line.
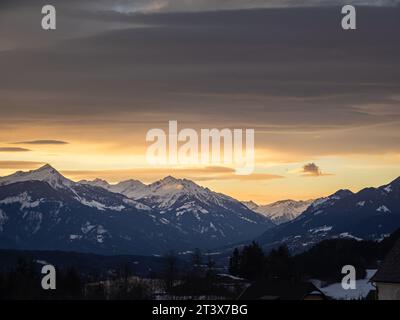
317	97
278	174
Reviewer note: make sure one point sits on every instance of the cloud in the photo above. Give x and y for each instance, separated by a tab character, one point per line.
42	142
11	149
312	170
20	164
157	6
315	100
252	177
146	6
213	5
152	174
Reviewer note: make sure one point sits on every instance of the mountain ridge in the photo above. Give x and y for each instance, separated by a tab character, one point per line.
41	209
281	211
370	214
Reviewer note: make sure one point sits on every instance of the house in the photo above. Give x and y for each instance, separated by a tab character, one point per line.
282	290
387	278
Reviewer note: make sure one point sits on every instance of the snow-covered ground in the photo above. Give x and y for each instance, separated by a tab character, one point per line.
335	291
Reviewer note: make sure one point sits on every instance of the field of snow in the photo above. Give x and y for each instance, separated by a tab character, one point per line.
335	291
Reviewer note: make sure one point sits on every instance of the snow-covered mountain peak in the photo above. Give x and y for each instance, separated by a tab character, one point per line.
251	205
169	180
281	211
97	180
130	188
169	191
131	182
45	174
96	183
174	185
46	168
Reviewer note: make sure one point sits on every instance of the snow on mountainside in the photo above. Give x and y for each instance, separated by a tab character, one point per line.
370	214
86	219
41	209
251	205
198	210
281	211
165	193
129	188
182	196
96	183
46	174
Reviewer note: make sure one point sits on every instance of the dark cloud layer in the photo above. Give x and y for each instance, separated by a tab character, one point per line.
190	5
295	52
287	70
10	149
42	142
20	164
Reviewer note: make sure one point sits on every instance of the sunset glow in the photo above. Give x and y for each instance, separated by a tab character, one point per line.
99	85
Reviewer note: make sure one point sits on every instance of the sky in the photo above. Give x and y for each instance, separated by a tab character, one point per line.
324	102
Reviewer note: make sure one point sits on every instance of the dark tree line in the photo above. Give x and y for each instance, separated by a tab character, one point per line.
252	263
24	282
323	261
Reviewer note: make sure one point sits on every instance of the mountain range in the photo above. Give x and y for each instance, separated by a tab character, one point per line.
370	214
281	211
43	210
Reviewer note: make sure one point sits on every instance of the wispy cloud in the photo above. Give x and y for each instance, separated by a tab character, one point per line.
212	5
252	177
20	164
11	149
42	142
152	174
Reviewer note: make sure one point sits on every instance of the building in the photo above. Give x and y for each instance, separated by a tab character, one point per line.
387	278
